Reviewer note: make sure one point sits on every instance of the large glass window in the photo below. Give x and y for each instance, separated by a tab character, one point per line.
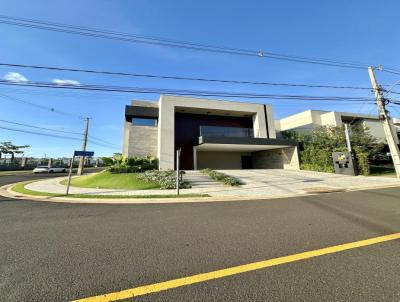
138	121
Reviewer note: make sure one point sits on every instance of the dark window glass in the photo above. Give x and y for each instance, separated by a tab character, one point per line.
152	122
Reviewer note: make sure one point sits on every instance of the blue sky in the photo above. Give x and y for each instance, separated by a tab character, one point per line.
360	31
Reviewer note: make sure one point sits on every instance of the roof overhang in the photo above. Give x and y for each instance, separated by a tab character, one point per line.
242	144
140	111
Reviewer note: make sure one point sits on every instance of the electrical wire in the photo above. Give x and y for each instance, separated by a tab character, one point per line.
128	37
171	77
38	127
92	138
39	133
54	136
51	109
182	92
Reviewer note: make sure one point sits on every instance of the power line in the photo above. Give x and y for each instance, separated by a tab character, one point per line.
170	77
390	70
54	135
104	142
104	145
38	127
182	92
40	133
51	109
128	37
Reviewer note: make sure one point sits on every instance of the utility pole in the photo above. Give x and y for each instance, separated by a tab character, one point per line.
84	143
386	122
348	143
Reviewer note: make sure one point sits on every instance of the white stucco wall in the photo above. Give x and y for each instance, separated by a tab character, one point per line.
376	129
307	120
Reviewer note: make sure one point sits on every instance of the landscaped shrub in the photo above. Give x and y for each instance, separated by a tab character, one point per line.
166	179
362	161
226	179
122	164
316	147
107	161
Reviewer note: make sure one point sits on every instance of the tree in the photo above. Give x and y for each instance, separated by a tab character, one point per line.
316	147
10	148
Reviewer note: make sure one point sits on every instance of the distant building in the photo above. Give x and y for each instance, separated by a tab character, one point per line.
211	134
308	120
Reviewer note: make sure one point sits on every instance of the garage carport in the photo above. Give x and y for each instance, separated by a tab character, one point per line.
245	153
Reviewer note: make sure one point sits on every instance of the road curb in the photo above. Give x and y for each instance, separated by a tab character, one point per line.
7	192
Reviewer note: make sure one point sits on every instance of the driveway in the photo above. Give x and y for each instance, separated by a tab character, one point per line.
273	182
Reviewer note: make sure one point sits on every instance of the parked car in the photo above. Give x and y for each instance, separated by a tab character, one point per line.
383	158
46	169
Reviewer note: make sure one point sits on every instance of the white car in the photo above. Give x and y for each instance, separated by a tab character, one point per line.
46	169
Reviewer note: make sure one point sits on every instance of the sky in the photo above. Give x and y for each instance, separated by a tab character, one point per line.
360	31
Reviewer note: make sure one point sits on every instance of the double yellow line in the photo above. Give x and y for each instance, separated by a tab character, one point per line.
162	286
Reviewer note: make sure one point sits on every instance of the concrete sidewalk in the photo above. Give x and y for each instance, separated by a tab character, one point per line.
257	183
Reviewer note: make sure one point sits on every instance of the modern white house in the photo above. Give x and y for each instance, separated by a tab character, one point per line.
216	134
308	120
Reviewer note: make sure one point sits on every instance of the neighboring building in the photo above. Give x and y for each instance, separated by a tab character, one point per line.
211	134
308	120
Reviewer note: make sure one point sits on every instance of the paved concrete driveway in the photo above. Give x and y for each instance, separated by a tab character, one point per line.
281	182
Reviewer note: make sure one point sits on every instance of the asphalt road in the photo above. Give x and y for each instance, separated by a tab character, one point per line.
60	252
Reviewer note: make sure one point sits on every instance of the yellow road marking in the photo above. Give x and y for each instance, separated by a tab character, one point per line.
162	286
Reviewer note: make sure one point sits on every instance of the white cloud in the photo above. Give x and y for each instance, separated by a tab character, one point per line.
65	82
15	77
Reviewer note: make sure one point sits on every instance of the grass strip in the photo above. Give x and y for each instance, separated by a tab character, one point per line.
20	188
108	180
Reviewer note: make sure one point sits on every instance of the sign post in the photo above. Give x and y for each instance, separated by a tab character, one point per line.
76	153
178	155
70	173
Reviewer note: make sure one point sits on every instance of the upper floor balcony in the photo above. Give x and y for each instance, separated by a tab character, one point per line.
218	131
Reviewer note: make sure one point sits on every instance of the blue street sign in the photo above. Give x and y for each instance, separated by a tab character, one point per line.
83	153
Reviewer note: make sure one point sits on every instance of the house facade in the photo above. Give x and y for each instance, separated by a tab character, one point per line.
308	120
214	134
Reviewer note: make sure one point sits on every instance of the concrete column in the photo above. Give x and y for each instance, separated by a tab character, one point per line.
194	158
50	163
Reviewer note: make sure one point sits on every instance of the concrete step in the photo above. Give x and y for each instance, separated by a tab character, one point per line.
200	180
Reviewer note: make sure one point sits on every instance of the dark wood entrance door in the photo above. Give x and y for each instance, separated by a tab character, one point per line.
246	162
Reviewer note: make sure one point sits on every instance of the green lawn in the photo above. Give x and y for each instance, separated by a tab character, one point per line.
107	180
20	188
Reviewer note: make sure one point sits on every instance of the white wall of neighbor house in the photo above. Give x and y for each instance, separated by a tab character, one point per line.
294	121
376	129
166	121
332	118
307	120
